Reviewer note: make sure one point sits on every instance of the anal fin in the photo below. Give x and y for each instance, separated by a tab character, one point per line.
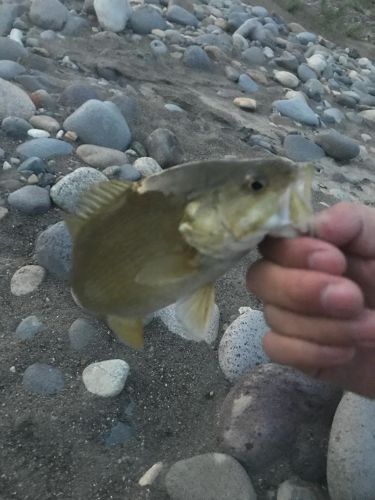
128	330
195	311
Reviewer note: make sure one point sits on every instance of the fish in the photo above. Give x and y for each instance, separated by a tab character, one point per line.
139	247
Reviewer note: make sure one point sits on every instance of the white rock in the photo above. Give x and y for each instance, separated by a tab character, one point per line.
363	62
147	166
240	347
37	133
6	165
317	62
369	116
3	212
169	318
106	378
295	94
151	474
113	15
366	137
240	42
268	52
286	79
26	280
16	35
351	450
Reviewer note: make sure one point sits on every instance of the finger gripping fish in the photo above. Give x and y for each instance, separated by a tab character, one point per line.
138	247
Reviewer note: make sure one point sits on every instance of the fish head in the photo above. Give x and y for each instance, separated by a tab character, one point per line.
271	197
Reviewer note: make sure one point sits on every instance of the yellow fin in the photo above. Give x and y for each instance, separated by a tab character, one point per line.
167	270
195	311
101	196
74	224
129	331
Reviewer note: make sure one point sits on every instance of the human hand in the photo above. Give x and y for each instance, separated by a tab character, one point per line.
319	297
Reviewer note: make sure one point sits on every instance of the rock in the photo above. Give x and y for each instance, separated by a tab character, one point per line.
169	318
67	193
145	19
266	411
351	450
113	15
82	334
259	11
10	70
241	44
314	89
247	84
11	50
317	62
213	476
296	490
196	58
45	122
28	328
287	61
306	37
106	378
42	99
128	106
240	347
178	15
75	26
53	250
48	14
369	116
338	146
151	474
14	101
305	73
298	148
26	280
44	148
147	166
36	133
77	94
15	127
254	56
100	157
30	200
100	123
129	173
286	79
298	110
43	379
333	115
3	213
8	14
158	48
120	433
245	103
164	147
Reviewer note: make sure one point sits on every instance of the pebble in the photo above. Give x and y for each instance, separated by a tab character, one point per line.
338	146
16	35
26	280
173	108
76	94
28	328
45	148
37	133
120	433
314	89
10	70
33	164
296	490
287	61
53	250
151	474
113	15
11	50
82	334
147	166
305	73
286	79
196	58
247	84
306	37
245	103
48	14
351	450
75	26
158	48
266	412
100	157
43	379
163	145
100	123
177	14
106	378
68	192
15	127
145	19
369	116
333	115
3	213
128	106
254	56
259	11
129	173
169	318
212	476
8	14
31	200
45	122
14	101
298	110
317	62
241	347
299	148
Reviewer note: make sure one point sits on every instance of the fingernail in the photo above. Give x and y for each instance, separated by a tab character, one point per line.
341	298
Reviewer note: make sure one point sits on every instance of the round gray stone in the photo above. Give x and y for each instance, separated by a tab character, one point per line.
11	50
298	148
43	379
314	89
213	476
31	200
68	192
77	94
10	70
297	109
164	147
44	148
254	56
100	157
82	334
145	19
196	58
158	48
53	250
147	166
15	127
247	84
112	15
48	14
100	123
338	146
305	73
14	101
28	328
332	116
178	15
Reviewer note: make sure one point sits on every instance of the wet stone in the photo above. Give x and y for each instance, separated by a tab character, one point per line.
44	148
299	148
29	328
163	145
15	127
31	200
120	434
26	280
82	334
53	250
43	379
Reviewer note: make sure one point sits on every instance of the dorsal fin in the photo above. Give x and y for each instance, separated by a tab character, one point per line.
96	200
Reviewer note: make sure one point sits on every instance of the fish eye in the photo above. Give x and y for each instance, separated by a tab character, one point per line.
254	185
257	185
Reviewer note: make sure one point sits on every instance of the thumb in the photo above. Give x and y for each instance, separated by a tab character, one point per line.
349	226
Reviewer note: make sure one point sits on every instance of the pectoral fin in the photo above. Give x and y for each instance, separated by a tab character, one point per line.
195	311
129	331
167	270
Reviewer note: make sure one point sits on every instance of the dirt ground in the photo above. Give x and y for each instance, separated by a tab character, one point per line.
52	447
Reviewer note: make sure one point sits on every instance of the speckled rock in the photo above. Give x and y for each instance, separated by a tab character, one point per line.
48	14
30	200
112	15
100	157
14	101
163	145
43	379
28	328
53	250
44	148
26	280
106	378
147	166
